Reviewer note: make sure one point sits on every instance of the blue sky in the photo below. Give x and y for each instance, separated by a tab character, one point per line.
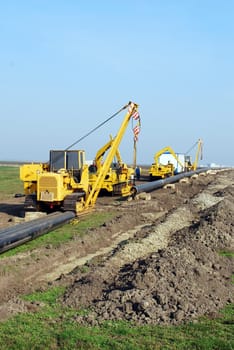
66	66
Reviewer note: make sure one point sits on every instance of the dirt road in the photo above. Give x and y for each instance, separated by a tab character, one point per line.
156	261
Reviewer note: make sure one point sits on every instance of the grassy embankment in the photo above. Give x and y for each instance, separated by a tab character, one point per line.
54	326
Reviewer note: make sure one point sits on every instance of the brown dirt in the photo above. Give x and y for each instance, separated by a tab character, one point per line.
156	261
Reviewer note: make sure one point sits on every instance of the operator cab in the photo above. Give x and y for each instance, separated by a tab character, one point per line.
71	161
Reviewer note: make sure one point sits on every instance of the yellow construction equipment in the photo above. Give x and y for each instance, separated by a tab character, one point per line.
189	165
160	171
118	178
64	183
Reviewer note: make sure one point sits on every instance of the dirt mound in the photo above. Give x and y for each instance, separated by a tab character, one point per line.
187	279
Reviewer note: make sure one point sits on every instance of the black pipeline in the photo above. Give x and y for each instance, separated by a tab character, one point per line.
14	236
153	185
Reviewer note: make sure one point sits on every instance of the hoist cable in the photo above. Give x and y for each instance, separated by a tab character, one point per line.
191	148
97	127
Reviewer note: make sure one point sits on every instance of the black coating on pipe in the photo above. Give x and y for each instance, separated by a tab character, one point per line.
19	234
153	185
32	229
25	224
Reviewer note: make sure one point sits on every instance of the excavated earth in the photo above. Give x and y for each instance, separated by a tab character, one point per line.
157	261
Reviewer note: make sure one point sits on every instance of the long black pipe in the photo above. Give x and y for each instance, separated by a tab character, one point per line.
153	185
21	233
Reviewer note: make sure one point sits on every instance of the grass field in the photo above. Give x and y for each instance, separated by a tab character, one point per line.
10	183
55	327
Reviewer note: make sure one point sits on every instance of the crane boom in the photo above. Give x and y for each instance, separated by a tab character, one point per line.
93	194
199	152
167	149
100	153
193	166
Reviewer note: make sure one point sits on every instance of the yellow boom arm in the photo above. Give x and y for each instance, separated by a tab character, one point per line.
163	150
199	152
92	196
100	153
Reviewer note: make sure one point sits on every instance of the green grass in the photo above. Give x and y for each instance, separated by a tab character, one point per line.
228	254
10	182
54	327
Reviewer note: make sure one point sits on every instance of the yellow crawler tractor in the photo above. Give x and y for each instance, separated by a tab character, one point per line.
57	184
65	182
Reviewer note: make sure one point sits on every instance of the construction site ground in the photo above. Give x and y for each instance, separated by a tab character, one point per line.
157	261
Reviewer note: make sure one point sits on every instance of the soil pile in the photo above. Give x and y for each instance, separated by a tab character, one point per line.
185	280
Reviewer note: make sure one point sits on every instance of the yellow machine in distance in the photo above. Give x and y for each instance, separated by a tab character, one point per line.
64	182
189	165
161	171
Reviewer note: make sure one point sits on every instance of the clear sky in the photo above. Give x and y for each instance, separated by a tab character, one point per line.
67	65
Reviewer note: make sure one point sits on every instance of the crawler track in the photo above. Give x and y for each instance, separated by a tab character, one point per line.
16	235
